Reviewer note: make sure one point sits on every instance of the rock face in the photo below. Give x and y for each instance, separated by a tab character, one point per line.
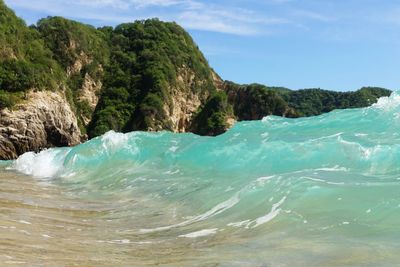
184	102
80	62
45	120
181	111
89	93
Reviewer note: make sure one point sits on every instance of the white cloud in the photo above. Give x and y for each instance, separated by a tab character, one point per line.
120	4
208	22
233	21
191	14
160	3
138	4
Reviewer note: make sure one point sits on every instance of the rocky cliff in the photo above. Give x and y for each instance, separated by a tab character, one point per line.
42	121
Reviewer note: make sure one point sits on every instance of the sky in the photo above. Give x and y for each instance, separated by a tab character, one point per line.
332	44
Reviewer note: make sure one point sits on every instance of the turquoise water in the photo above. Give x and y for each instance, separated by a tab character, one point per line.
319	191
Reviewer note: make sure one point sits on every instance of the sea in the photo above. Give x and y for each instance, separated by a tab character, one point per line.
316	191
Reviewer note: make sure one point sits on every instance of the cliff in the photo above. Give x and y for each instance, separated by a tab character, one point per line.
44	120
62	82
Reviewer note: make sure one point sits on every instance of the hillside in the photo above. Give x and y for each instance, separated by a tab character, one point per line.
82	51
157	78
311	102
25	62
62	82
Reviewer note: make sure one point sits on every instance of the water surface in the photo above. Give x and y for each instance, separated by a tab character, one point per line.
320	191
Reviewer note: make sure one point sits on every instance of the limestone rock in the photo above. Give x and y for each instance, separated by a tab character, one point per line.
44	120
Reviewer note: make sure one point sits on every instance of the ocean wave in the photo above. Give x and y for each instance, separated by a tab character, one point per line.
274	144
251	176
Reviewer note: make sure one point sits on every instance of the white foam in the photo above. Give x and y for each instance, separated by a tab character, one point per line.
326	137
275	210
323	181
112	141
122	241
221	207
269	216
202	233
360	134
173	148
24	222
239	224
45	164
230	188
262	180
172	172
269	119
388	103
333	169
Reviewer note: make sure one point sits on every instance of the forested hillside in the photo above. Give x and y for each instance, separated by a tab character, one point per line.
152	63
25	62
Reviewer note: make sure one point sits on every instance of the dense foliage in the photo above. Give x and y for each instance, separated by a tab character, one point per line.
212	117
71	40
25	62
310	102
255	101
147	58
9	99
81	50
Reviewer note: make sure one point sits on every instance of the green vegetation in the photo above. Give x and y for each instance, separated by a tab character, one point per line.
311	102
212	117
81	50
8	99
147	58
25	62
71	41
255	101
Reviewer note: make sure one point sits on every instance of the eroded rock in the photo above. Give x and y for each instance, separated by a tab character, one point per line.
45	120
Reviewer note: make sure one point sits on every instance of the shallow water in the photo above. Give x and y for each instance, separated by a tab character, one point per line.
321	191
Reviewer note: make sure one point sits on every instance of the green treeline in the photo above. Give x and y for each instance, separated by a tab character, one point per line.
25	62
310	102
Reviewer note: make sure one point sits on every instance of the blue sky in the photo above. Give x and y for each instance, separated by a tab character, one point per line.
332	44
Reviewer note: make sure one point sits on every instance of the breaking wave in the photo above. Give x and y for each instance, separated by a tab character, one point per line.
278	175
